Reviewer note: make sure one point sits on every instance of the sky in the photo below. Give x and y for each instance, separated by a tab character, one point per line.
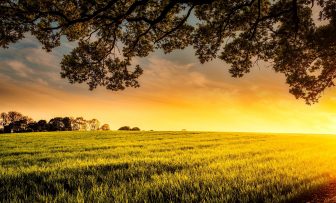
177	92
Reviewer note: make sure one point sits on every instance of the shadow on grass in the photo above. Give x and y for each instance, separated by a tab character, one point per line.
137	182
324	193
31	187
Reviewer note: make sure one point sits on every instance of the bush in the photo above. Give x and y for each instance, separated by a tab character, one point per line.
105	127
135	129
125	128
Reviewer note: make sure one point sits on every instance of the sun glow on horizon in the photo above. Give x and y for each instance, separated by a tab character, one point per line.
176	93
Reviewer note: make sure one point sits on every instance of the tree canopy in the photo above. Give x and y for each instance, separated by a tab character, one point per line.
240	32
16	122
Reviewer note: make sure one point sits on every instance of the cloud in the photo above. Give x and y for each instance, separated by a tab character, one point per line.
26	62
19	68
176	92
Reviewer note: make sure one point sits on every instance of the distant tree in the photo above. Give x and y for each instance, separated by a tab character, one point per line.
124	128
135	129
11	116
105	127
32	127
67	123
93	124
4	119
80	124
74	125
14	116
42	126
14	122
56	124
28	119
20	125
9	128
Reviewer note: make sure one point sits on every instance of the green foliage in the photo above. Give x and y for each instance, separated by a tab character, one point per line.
163	166
16	122
56	124
129	128
240	32
105	127
125	128
135	129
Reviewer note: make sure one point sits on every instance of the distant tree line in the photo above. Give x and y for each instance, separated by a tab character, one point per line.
129	128
15	122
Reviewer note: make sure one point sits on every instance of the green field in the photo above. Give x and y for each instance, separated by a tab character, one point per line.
163	166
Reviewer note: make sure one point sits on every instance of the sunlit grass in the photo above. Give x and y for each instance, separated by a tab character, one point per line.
163	166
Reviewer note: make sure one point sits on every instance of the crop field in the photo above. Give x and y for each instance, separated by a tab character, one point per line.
163	166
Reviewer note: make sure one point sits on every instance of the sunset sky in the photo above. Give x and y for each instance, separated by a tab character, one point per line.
177	92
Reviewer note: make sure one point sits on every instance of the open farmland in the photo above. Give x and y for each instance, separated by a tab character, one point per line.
163	166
